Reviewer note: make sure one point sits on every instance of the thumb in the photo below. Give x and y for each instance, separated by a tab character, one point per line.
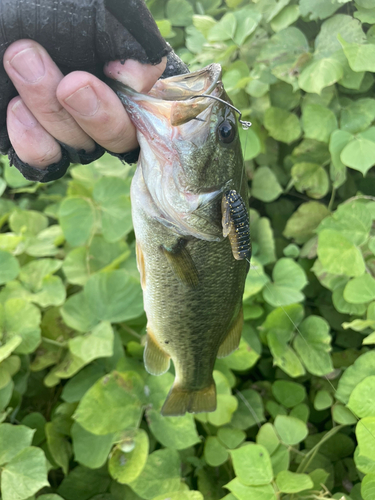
138	76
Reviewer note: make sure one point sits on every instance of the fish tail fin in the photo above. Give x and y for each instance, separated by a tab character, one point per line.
181	400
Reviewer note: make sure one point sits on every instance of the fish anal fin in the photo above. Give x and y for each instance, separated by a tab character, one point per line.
232	340
141	264
182	264
181	400
156	360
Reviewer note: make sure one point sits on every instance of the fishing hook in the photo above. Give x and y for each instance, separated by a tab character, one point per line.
245	124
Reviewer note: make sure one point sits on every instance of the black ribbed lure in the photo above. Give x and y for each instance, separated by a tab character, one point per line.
236	224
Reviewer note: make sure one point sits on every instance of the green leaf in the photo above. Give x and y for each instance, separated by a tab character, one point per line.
360	56
289	394
339	139
224	29
282	125
318	122
113	199
267	437
89	449
243	492
129	456
361	401
363	367
179	12
338	255
13	439
24	475
78	313
289	278
243	418
291	430
359	154
313	345
247	21
265	186
343	415
361	289
252	465
323	400
317	9
305	220
284	356
58	446
96	344
353	220
365	433
263	238
161	474
9	267
27	222
358	115
291	482
22	320
320	74
231	438
114	296
111	404
312	178
77	219
84	483
214	452
176	433
285	18
368	487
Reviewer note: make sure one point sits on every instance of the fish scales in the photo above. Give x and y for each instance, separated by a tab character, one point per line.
192	284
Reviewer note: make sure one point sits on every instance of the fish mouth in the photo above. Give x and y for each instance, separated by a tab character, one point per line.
172	97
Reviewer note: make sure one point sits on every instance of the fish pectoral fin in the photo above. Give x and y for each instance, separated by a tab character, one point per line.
226	220
156	360
232	340
181	400
182	264
141	264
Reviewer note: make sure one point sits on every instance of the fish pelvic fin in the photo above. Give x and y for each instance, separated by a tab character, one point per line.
232	340
141	264
156	360
182	264
181	400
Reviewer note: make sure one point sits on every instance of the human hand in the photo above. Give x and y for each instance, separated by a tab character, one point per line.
76	110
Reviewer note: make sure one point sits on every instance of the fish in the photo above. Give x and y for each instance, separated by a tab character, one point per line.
189	200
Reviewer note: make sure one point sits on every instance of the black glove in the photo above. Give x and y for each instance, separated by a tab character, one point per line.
79	35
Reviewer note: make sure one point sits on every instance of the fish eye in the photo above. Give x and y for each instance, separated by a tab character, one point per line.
226	131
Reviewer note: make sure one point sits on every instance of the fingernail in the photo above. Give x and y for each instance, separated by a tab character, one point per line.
83	101
22	114
29	65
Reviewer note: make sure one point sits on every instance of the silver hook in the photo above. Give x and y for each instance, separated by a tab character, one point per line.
245	124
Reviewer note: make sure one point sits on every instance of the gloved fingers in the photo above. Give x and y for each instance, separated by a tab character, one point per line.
34	145
98	111
36	78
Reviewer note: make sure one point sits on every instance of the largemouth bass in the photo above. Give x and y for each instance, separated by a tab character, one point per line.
188	194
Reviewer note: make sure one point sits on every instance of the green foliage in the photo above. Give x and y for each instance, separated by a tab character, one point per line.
80	417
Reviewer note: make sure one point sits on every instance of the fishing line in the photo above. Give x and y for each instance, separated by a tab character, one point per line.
245	124
311	349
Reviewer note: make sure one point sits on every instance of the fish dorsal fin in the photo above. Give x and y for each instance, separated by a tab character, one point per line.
155	358
182	264
232	340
